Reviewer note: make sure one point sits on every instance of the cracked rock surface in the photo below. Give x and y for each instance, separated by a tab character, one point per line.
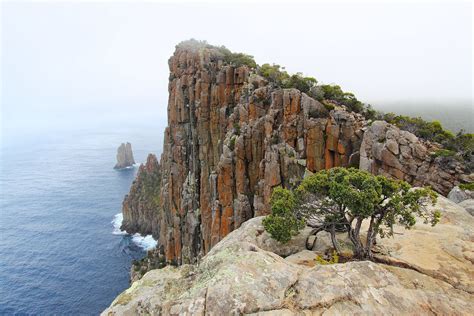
428	271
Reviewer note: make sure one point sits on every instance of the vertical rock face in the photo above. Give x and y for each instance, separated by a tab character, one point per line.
232	137
141	207
124	156
399	154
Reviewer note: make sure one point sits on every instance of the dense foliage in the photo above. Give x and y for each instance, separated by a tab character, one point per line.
335	93
237	59
340	199
278	75
282	224
467	186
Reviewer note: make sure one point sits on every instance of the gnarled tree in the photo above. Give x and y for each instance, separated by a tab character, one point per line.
340	199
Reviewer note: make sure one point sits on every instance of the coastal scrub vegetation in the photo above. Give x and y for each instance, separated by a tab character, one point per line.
340	199
282	224
237	59
467	186
151	185
309	85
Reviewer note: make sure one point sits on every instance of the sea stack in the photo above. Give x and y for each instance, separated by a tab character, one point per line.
124	156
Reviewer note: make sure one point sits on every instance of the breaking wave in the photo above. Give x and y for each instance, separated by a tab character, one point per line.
145	242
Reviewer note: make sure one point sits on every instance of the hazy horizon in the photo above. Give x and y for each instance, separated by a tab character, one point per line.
78	62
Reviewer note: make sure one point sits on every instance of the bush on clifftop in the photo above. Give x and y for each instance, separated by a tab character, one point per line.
237	59
282	224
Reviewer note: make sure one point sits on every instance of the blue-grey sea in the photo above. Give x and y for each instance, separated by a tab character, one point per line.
59	251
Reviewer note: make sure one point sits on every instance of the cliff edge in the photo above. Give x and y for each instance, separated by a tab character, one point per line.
234	135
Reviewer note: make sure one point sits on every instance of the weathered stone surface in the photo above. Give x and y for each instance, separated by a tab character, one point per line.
457	195
468	205
124	156
399	154
242	275
445	251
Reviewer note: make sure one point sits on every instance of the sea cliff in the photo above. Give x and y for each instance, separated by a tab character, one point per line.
233	135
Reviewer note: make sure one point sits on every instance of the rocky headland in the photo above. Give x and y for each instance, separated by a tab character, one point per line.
424	271
124	156
234	134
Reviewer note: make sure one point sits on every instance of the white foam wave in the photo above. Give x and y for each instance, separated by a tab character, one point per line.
117	222
145	242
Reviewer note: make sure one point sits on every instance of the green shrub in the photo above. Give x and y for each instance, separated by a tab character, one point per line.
328	105
232	143
237	59
282	224
467	186
370	113
444	153
273	73
236	128
300	82
335	93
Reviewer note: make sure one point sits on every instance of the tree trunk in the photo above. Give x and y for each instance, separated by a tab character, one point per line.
354	237
370	239
334	239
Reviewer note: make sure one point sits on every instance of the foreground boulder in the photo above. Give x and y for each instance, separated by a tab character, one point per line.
457	195
124	156
468	205
250	273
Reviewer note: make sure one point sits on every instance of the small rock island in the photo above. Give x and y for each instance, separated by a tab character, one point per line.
124	156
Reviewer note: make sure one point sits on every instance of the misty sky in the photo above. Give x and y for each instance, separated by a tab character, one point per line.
65	61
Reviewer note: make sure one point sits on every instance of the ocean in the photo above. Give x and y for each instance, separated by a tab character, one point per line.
60	252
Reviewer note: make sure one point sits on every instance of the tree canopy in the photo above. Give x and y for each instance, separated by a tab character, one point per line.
340	199
282	224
